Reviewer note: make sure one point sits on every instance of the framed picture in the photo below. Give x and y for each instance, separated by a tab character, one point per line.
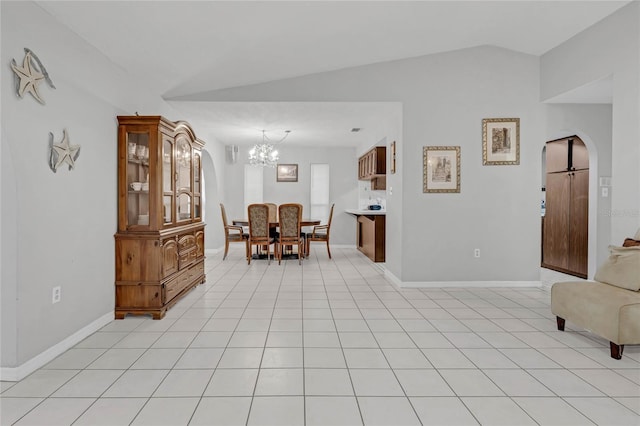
500	141
441	169
287	173
393	157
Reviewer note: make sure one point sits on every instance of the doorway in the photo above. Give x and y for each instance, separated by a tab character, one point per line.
565	221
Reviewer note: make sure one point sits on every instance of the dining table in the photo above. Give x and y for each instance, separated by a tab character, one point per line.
304	222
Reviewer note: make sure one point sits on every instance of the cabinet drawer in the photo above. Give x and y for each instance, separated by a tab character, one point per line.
187	257
186	242
175	286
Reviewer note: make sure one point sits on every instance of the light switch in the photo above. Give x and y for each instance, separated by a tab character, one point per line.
605	191
391	190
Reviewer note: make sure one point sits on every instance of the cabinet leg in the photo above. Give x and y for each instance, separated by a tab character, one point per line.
560	322
616	350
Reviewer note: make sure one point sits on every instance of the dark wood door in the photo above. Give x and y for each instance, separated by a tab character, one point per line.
556	221
557	155
579	222
579	155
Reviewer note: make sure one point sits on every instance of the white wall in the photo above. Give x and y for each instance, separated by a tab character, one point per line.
445	97
610	47
343	185
57	229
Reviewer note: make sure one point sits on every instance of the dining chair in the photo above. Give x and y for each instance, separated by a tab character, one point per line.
258	216
320	233
233	234
290	217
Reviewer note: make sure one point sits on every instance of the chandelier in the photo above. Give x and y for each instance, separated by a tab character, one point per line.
265	153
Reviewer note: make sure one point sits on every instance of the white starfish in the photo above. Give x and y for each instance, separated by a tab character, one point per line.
66	153
29	76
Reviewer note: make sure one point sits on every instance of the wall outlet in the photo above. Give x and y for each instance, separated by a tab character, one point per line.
56	295
476	253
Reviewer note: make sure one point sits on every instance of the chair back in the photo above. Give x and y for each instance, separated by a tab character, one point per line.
224	215
330	217
290	216
258	215
273	212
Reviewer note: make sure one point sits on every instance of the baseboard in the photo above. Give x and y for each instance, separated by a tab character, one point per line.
14	374
458	284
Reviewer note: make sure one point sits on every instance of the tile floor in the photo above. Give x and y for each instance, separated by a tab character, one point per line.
333	343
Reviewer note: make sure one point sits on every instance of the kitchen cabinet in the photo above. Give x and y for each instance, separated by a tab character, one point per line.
370	236
160	239
372	166
566	220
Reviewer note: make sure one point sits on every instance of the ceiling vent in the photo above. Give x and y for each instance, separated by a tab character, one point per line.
356	129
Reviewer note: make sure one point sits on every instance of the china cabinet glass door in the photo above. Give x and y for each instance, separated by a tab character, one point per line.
183	179
167	180
137	179
197	185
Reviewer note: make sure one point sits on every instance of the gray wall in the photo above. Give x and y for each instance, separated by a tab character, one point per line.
343	185
57	229
609	48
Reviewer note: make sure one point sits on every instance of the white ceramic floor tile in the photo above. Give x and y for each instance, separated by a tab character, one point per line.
497	411
136	383
324	358
375	383
609	382
569	358
248	339
319	339
12	409
406	358
111	412
135	339
184	383
199	358
325	382
232	382
632	403
337	411
503	340
447	358
604	411
211	339
430	340
488	358
282	358
116	359
175	339
517	382
442	411
390	411
74	359
277	410
88	383
466	340
423	383
102	340
552	411
56	411
288	381
565	383
160	358
166	411
221	411
529	358
41	383
241	358
470	383
365	358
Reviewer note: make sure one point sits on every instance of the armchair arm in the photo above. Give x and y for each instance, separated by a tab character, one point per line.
229	228
319	228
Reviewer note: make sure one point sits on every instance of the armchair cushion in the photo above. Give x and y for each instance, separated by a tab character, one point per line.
622	268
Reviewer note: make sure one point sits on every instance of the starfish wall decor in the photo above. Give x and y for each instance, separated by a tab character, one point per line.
62	152
29	76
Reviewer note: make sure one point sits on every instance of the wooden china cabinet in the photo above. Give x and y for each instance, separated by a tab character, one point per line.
160	238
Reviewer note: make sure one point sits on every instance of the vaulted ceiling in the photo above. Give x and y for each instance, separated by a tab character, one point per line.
183	48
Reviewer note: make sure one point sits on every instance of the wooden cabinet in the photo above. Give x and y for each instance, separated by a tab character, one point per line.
372	166
160	238
566	221
371	236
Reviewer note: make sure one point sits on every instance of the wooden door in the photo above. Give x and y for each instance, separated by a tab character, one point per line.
579	155
557	155
579	223
556	221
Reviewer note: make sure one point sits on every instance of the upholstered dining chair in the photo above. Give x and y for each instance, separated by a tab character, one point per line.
258	216
233	234
320	233
290	216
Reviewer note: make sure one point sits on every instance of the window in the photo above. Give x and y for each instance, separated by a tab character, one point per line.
252	185
319	192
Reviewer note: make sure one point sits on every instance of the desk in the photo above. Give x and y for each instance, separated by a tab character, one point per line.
304	222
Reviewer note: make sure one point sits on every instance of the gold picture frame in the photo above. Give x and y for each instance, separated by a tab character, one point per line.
287	173
441	169
500	141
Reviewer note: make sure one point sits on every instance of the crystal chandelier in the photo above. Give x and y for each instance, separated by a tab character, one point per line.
265	153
